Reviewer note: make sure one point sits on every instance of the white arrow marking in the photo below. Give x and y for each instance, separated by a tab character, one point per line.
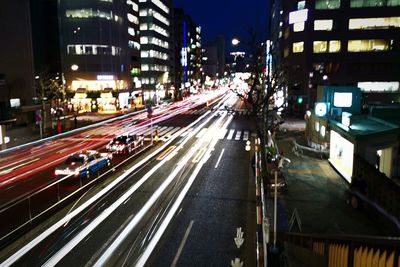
239	240
236	263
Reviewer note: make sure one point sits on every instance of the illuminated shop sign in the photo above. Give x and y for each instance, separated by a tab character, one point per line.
342	100
105	77
321	109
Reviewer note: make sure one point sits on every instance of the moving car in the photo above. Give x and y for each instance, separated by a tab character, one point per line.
125	143
84	163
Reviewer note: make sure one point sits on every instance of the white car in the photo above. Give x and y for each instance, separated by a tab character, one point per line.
84	163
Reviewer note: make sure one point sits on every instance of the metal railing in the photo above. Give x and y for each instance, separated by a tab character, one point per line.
341	251
32	206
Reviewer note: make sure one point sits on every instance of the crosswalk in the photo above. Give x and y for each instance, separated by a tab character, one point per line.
235	112
165	132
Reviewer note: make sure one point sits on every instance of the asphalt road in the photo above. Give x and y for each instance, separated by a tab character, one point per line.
124	225
221	200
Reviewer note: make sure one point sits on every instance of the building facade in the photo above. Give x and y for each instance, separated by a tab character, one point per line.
188	54
16	53
99	44
156	35
339	42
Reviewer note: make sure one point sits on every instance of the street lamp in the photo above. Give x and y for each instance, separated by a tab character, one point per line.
235	41
74	67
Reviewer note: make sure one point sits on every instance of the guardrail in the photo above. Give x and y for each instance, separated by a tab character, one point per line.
342	251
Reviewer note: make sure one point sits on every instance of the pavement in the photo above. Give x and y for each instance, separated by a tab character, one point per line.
317	193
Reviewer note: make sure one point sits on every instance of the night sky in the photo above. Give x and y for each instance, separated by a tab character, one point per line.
227	17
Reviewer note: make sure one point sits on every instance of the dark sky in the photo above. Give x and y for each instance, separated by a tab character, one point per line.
227	17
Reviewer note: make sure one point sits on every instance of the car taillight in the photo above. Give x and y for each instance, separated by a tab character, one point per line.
121	147
76	173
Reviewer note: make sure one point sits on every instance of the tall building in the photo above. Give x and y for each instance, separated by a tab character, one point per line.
99	44
187	51
340	42
156	35
16	56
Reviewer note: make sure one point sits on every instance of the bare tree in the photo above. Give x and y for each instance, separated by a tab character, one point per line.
259	97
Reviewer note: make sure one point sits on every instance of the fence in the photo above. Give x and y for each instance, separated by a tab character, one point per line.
342	251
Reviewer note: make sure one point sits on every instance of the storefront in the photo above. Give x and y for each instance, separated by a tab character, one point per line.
341	155
107	103
80	102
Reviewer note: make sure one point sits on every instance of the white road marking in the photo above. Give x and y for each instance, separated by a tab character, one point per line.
230	135
246	135
238	135
223	133
219	158
182	244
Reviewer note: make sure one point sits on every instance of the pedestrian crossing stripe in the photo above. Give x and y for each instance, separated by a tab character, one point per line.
165	132
238	135
230	135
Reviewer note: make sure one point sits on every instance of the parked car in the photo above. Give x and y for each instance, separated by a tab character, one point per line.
84	163
125	143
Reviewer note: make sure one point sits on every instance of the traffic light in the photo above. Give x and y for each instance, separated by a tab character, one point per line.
299	100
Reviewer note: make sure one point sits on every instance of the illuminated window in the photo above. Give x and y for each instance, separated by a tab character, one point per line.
334	46
373	45
298	27
323	25
327	4
374	23
374	3
88	13
301	5
298	47
320	46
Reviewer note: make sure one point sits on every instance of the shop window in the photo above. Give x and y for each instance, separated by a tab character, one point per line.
327	4
298	47
323	25
374	23
298	26
372	45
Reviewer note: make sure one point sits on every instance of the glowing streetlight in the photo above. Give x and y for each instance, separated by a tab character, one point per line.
235	41
74	67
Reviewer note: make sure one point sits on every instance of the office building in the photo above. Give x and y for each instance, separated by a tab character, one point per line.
156	33
99	44
338	42
187	52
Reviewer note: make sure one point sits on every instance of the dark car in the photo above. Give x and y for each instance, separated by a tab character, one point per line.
125	143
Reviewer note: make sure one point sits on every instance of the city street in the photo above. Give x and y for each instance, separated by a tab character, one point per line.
158	188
